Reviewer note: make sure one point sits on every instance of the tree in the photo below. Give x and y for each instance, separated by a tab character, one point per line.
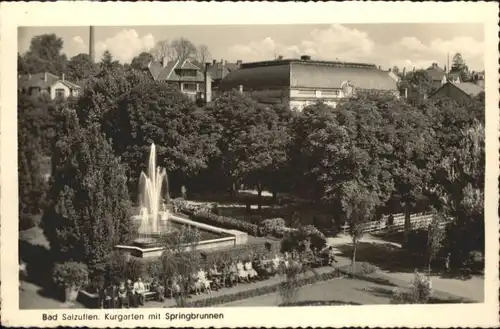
184	49
358	204
108	63
462	194
180	260
44	55
80	68
252	141
435	236
89	211
459	65
153	112
141	61
163	51
32	187
419	81
203	54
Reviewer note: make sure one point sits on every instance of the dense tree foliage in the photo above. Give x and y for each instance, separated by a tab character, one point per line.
44	55
80	68
152	112
88	196
141	61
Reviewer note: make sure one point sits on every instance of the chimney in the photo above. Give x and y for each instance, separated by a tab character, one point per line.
240	88
63	77
91	45
305	57
208	84
164	61
239	62
45	76
213	62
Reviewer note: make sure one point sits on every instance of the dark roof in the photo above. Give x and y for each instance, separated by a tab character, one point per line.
308	74
469	88
219	70
436	73
38	80
171	70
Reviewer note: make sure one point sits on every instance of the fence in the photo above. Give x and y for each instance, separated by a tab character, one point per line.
419	220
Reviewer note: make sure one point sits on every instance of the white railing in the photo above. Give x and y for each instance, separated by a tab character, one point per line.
419	220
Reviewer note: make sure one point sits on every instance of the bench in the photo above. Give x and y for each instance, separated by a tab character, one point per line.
148	294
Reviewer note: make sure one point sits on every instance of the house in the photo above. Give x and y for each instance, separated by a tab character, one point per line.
189	78
437	75
458	91
47	83
218	70
454	76
301	82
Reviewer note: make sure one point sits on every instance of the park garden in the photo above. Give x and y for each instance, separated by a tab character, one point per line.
313	174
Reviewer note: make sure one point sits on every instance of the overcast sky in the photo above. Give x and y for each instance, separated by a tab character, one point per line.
404	45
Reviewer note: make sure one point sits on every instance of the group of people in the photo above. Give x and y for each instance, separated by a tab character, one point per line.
126	294
206	279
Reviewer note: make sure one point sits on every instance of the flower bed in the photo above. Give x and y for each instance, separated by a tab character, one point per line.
260	291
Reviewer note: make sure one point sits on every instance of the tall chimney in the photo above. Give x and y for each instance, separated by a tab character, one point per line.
91	45
208	84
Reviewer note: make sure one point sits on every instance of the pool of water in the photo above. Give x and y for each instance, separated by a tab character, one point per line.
173	226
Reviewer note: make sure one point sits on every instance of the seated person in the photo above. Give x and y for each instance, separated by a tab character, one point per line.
202	277
122	295
252	274
242	274
233	274
215	276
158	289
175	286
132	297
139	290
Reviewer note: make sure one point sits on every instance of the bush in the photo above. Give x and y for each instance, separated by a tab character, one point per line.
223	222
136	268
70	274
239	252
420	291
417	242
366	268
274	226
295	239
116	266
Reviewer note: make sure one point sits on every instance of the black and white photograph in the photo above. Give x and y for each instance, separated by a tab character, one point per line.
233	166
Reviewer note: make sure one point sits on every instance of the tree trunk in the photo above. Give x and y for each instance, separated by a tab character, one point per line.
407	226
429	268
353	261
259	199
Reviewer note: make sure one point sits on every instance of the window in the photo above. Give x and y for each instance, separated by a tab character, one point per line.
189	87
60	93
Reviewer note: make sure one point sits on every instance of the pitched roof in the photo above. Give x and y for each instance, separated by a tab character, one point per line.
435	73
38	80
170	71
469	88
308	74
219	70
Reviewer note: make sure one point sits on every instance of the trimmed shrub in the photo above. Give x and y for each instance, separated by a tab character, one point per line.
239	252
116	266
70	274
295	239
223	222
273	226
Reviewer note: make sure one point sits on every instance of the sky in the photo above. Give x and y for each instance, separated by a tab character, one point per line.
386	45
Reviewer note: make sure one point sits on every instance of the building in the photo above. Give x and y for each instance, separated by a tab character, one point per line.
437	75
47	83
189	78
301	82
219	70
458	91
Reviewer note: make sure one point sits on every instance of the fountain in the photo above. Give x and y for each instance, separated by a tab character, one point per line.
156	219
153	213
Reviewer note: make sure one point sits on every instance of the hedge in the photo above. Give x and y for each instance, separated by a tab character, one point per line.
240	251
222	221
212	301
